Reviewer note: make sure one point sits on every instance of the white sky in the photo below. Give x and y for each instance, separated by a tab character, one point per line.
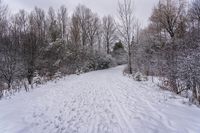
143	8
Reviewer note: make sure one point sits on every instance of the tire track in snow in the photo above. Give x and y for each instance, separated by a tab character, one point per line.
122	114
131	93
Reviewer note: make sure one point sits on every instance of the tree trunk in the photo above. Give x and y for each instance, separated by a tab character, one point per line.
173	67
108	49
129	60
30	76
9	83
194	89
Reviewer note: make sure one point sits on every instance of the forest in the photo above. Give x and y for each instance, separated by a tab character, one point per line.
40	45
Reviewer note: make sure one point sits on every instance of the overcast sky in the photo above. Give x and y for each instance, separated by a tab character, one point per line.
143	8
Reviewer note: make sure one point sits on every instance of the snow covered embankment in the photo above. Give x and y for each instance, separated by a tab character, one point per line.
98	102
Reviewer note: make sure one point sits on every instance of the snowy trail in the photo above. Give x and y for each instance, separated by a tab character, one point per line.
98	102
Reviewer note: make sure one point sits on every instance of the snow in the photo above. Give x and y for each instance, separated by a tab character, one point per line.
98	102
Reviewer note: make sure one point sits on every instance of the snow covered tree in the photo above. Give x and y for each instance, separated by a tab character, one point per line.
109	32
126	27
168	14
34	42
83	15
194	14
62	20
119	53
53	26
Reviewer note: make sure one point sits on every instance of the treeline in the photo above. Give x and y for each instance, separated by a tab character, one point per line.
170	47
52	43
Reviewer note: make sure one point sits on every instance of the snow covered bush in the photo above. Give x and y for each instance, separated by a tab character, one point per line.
37	80
140	77
119	54
98	61
3	87
103	61
52	57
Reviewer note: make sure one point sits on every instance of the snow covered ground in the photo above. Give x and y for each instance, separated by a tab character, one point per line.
98	102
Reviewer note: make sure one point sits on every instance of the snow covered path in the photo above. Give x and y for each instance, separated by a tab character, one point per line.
98	102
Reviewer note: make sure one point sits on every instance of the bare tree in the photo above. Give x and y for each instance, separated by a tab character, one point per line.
89	24
83	15
75	30
109	30
99	38
5	75
92	26
3	18
51	15
169	16
126	27
137	31
53	26
10	59
34	42
194	13
62	20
